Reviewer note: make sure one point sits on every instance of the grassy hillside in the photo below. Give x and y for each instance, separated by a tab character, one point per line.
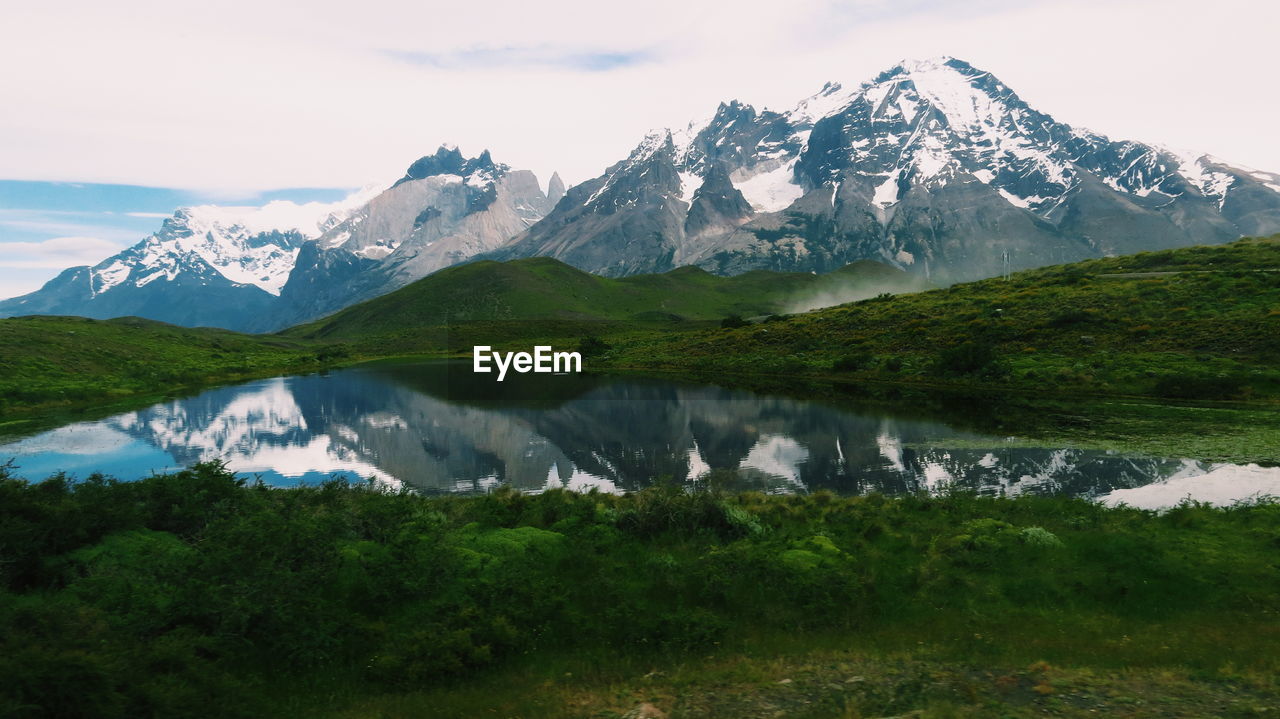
1198	322
193	594
549	291
64	360
71	360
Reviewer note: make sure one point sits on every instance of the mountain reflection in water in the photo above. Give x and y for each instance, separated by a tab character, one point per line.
428	427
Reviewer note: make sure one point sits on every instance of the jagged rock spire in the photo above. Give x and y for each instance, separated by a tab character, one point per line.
555	189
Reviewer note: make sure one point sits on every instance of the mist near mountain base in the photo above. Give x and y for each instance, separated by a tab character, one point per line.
852	290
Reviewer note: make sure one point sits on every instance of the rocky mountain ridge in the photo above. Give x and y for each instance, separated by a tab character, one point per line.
934	166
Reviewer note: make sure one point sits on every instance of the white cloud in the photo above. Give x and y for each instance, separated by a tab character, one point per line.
245	95
49	222
56	253
26	266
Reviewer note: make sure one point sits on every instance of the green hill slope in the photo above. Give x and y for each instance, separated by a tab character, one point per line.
73	359
1198	322
551	292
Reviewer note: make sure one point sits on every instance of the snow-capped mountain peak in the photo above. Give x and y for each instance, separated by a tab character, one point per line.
948	86
929	165
245	245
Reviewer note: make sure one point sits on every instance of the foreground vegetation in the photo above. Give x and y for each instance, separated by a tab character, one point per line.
196	594
1191	323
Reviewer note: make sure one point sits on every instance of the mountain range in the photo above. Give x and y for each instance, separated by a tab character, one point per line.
934	167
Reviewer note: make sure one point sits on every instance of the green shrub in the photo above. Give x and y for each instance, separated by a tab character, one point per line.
968	358
852	362
1183	386
592	346
1068	318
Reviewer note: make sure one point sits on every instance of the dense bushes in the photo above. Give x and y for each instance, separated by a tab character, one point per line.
185	594
852	362
1184	386
592	346
966	358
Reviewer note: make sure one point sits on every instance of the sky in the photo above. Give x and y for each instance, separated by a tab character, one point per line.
115	113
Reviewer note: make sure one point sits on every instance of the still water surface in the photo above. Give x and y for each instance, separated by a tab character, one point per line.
429	427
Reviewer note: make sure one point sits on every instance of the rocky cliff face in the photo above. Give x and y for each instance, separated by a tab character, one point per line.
935	166
445	209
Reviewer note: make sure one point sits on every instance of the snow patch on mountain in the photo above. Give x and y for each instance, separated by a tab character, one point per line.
689	184
110	275
1269	179
378	250
936	120
773	190
887	192
1195	168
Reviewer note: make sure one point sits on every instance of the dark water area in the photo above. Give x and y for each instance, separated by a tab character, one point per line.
436	428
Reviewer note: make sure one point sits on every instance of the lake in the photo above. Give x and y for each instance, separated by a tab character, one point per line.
432	427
